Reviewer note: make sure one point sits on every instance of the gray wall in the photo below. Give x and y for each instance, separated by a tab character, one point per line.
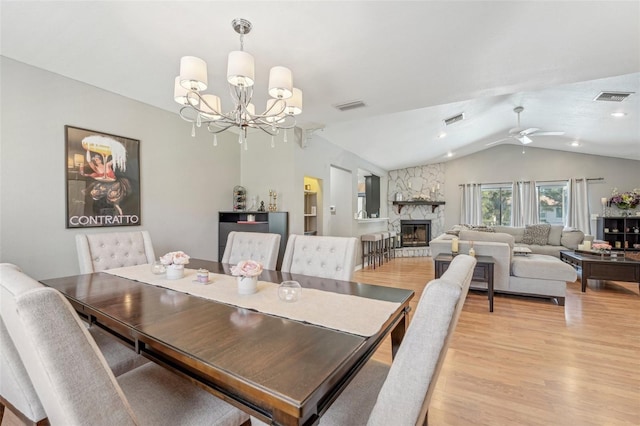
506	163
184	181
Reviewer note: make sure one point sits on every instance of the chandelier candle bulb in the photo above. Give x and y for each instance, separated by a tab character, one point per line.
179	93
240	69
294	104
193	73
280	83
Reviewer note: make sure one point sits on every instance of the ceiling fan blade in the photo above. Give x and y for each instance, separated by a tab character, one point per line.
528	131
548	133
498	141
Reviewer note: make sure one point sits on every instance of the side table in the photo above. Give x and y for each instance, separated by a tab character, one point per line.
483	271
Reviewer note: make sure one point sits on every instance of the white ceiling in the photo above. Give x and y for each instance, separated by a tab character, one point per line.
412	63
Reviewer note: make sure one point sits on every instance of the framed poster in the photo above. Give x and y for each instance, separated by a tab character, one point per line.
103	179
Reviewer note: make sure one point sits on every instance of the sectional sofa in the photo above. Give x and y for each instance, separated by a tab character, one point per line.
540	273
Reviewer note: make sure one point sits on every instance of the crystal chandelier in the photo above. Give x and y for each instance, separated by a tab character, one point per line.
201	109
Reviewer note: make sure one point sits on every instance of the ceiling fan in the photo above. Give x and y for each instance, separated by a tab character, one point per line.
523	135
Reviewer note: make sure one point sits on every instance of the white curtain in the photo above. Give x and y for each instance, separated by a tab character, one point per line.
471	204
578	208
524	204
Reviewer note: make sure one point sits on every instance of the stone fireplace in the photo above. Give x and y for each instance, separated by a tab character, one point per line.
417	183
415	233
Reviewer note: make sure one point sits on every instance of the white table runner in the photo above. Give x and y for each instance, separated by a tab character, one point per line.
343	312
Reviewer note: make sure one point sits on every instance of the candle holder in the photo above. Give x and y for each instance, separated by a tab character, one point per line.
289	291
273	196
454	246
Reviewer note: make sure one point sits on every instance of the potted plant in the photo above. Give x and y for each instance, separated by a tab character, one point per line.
174	262
247	272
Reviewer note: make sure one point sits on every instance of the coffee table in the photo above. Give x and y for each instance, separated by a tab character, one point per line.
596	267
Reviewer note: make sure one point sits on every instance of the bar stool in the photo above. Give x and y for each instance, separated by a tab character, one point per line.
386	248
393	243
372	249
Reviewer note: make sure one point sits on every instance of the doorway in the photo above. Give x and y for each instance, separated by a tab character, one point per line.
312	206
341	203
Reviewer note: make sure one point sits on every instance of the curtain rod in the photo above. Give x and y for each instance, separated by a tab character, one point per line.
539	181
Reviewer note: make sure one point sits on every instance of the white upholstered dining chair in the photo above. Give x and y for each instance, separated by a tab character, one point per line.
382	395
16	391
108	250
320	256
72	379
258	246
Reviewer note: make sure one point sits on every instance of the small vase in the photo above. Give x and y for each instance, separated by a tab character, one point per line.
175	272
247	285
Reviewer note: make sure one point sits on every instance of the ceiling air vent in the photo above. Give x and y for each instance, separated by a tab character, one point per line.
613	96
449	121
350	105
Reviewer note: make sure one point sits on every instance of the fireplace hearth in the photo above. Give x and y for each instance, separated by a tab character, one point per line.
415	233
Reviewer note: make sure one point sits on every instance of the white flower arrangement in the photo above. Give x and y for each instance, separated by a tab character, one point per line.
247	268
175	258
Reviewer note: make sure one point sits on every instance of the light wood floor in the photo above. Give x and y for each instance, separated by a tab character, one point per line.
531	362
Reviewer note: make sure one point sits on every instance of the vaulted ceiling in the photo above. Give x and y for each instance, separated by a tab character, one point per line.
413	64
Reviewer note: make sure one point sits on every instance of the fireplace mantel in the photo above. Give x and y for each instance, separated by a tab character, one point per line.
433	204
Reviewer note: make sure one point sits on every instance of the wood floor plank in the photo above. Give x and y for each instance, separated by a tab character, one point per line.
532	362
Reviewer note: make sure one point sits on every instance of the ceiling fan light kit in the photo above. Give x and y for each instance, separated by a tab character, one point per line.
200	109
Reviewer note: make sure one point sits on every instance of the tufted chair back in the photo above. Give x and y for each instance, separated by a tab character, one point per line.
258	246
97	252
324	257
415	370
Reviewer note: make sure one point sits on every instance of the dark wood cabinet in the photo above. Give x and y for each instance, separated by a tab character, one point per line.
372	195
267	222
622	233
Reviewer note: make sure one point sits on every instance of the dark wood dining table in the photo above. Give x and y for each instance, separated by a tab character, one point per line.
282	371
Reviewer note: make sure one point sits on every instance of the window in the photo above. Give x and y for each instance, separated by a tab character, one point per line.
552	202
496	205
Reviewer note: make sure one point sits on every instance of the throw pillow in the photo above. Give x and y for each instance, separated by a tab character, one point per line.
455	230
536	234
571	239
483	229
555	235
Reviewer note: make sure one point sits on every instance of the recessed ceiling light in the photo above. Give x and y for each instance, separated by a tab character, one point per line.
618	114
442	135
575	143
449	154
